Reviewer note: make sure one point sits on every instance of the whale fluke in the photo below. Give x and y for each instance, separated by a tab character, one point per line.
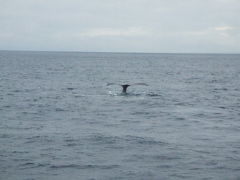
125	86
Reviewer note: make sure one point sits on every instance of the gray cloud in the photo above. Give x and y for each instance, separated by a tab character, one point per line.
126	25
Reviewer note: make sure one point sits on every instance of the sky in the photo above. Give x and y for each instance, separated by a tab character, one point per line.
161	26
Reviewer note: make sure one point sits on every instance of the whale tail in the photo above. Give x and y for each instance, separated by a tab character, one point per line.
125	86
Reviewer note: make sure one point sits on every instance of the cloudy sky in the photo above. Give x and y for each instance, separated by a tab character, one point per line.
165	26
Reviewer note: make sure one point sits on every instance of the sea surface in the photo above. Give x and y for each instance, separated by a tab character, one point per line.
59	120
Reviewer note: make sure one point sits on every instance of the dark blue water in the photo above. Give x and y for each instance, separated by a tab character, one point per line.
59	120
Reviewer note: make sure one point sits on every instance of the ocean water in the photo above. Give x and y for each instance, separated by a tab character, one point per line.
59	120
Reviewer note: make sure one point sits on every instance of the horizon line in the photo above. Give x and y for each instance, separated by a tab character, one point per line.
118	52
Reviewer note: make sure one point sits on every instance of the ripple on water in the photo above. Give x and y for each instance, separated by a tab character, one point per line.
70	142
155	157
143	140
31	165
70	88
89	166
102	139
152	94
5	136
60	109
38	139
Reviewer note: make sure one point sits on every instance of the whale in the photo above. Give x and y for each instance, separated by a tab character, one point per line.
125	86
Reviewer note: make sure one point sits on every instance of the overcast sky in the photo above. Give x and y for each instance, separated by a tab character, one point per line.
194	26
